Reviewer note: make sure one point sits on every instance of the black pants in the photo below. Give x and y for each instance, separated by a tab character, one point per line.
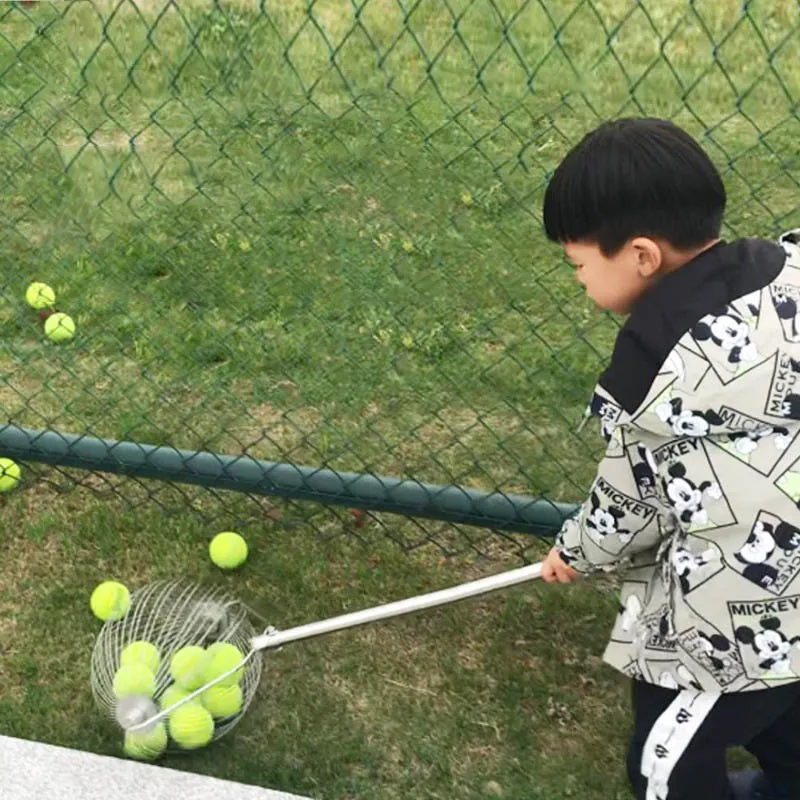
680	739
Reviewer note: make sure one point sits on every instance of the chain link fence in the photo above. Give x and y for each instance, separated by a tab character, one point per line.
309	232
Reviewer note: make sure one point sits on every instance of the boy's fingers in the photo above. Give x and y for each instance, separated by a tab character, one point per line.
554	570
550	571
565	574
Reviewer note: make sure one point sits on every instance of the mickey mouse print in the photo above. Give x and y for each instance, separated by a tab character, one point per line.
728	340
697	501
768	637
691	485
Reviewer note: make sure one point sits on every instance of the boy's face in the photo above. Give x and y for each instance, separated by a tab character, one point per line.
614	283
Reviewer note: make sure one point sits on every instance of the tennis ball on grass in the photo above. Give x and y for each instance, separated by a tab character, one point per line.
39	296
191	726
143	653
222	657
187	667
59	327
110	600
228	550
10	474
135	679
222	701
146	746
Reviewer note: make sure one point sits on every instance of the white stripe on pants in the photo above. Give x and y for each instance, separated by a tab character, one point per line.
670	736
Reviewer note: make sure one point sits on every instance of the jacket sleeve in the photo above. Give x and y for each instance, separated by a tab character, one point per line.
624	515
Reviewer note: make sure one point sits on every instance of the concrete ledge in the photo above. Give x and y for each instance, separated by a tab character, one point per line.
35	771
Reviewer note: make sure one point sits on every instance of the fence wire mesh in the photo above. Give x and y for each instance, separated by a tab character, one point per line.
310	231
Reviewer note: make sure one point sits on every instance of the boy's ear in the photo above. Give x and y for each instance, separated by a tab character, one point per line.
648	256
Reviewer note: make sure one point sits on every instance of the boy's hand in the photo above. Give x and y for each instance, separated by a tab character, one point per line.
554	570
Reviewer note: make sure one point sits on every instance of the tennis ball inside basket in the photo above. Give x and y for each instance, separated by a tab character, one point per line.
10	474
141	652
135	679
222	701
146	746
40	295
174	694
191	726
222	657
59	327
110	600
187	667
228	550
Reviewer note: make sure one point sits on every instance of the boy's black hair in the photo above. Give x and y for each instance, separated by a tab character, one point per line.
635	177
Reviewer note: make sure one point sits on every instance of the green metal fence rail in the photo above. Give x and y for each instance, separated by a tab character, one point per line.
243	474
308	235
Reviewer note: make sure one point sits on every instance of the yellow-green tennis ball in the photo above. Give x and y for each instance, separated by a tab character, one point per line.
39	296
59	327
174	694
228	550
191	726
136	679
143	653
222	701
222	657
146	746
10	474
110	600
187	667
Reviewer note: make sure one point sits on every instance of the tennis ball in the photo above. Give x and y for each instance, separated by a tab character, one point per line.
222	701
110	600
39	296
135	679
187	667
146	746
143	653
222	657
59	327
10	474
228	550
173	694
191	726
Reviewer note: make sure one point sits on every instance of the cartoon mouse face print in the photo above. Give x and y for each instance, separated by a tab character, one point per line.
728	331
711	646
685	563
603	522
685	422
770	644
757	550
745	442
687	498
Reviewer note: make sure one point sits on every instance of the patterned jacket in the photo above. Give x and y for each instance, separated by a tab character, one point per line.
697	497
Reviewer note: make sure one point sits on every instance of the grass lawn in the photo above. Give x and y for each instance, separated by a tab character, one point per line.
311	232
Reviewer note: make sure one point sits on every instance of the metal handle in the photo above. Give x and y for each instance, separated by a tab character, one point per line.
399	608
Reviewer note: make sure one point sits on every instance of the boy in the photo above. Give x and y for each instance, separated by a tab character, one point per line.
697	495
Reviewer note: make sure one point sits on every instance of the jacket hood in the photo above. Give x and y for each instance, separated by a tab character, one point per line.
702	316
